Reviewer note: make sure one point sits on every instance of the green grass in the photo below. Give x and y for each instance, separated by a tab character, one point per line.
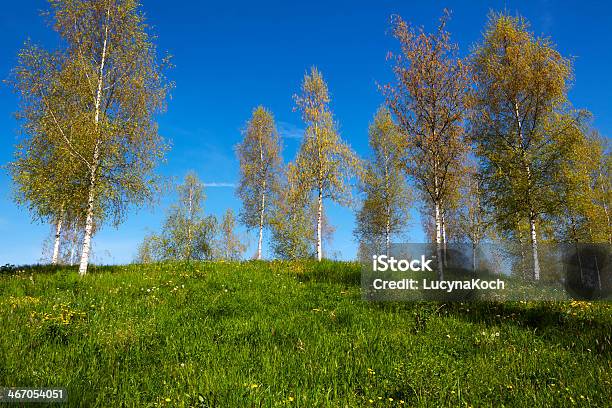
289	334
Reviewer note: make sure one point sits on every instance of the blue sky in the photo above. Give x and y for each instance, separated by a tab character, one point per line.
231	56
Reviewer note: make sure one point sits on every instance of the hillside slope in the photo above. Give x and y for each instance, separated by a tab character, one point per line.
289	334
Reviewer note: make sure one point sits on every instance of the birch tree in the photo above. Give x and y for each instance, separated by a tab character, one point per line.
579	184
150	250
260	168
385	209
111	87
187	234
292	234
428	102
293	229
520	122
324	162
229	244
602	189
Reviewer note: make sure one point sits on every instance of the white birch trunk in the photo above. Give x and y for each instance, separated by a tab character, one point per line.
534	247
263	198
261	223
96	158
58	234
87	237
438	220
319	226
477	223
598	273
605	207
388	237
532	218
388	208
89	218
609	225
533	234
444	239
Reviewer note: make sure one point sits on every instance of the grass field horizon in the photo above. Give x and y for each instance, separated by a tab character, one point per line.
258	333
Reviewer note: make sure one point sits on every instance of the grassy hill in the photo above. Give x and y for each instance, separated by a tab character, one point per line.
289	334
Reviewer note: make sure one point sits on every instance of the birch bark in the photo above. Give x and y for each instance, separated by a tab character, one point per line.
319	222
443	238
534	247
261	220
58	234
96	158
439	241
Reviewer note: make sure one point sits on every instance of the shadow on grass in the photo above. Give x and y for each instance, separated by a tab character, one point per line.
35	269
544	319
335	272
48	269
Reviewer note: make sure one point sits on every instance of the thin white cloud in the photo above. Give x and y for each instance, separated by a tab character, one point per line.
547	21
289	130
214	184
546	18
